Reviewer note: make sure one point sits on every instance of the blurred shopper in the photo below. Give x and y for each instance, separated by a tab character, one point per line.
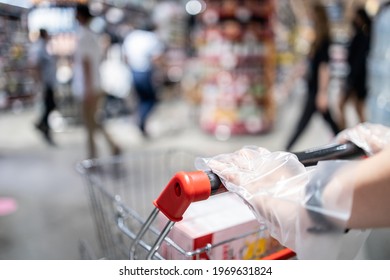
378	99
45	68
358	50
143	51
86	80
318	77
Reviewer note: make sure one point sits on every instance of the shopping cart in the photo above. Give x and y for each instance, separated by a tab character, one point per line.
121	191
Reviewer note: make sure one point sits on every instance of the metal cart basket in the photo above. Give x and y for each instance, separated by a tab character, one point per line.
121	191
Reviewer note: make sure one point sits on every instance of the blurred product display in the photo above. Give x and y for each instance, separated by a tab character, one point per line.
235	60
16	85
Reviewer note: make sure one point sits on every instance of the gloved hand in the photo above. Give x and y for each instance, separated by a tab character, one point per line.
370	137
287	197
268	182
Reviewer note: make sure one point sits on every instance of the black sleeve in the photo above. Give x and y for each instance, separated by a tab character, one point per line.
352	48
324	52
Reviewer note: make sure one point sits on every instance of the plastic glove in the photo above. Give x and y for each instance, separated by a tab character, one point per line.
287	198
370	137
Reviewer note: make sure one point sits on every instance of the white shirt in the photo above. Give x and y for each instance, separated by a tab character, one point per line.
87	46
140	47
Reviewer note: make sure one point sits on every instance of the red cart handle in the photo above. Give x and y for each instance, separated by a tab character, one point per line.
185	188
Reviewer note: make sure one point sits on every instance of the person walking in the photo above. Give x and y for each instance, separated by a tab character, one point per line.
44	67
86	81
143	51
318	77
358	50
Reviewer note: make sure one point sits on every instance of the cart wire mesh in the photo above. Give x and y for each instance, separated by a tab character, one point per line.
121	191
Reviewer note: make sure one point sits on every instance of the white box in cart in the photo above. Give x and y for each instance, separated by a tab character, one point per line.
220	218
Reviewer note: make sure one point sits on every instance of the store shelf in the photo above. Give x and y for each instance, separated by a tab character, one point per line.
16	85
236	52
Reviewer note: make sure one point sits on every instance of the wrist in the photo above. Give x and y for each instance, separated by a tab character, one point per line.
328	199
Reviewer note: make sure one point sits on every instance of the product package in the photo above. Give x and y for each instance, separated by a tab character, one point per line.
224	222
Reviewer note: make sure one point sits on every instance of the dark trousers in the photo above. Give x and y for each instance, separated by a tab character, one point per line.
309	109
146	93
48	106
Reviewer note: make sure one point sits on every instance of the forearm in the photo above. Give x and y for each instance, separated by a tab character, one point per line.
364	188
323	82
87	77
371	193
323	78
36	74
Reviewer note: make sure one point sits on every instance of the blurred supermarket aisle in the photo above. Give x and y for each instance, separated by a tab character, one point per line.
53	213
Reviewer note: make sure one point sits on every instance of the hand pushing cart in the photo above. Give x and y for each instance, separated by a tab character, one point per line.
122	189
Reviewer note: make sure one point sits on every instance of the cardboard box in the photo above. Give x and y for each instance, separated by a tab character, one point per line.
221	218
